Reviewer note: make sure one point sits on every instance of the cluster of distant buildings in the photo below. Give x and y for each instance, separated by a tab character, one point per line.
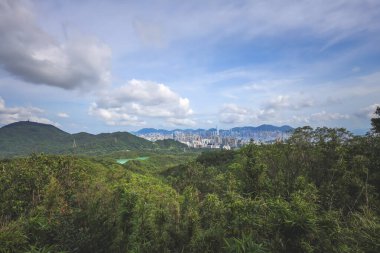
215	139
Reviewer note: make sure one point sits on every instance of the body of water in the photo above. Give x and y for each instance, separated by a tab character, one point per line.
122	161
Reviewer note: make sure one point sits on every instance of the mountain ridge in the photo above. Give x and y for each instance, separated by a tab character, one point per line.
25	137
263	127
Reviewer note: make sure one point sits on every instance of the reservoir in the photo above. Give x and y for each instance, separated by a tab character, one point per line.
141	158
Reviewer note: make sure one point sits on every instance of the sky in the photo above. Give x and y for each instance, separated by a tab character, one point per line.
113	65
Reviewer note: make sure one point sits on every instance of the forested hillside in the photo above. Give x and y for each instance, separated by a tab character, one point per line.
318	192
25	137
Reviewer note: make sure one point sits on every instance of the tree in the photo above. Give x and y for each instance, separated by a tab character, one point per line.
375	122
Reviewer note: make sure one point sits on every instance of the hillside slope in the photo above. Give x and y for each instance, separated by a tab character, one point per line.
25	137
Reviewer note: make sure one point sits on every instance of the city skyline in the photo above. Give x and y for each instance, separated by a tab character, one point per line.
106	66
216	138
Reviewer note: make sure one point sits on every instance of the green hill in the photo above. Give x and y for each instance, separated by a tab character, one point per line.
108	142
25	137
170	144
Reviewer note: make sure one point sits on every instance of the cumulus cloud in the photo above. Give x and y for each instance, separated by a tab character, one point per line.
235	114
13	114
31	54
268	111
137	100
116	116
367	112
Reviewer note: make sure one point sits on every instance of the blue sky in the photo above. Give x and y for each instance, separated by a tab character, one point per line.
104	66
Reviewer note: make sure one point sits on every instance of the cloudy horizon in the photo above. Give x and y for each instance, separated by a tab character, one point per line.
105	66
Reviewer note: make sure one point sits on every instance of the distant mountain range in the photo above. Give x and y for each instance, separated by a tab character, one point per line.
25	137
236	130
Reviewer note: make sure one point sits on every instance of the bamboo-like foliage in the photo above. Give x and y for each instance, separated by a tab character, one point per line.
316	192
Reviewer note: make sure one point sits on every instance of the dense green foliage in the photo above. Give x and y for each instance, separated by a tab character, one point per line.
318	192
23	138
170	144
27	137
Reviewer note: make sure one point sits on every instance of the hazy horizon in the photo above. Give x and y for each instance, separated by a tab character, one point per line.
354	131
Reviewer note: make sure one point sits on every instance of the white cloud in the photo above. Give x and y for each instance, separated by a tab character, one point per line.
296	102
138	100
115	116
63	115
13	114
367	112
320	118
33	55
327	116
235	114
268	111
181	122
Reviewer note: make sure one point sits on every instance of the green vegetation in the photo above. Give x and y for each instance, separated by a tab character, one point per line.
318	192
24	138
